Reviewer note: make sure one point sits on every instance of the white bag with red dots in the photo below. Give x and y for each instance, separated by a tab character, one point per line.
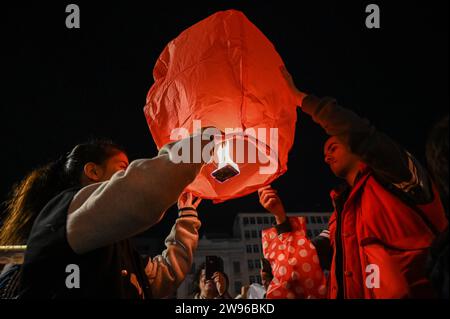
295	264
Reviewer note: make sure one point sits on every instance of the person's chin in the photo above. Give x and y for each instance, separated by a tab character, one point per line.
335	171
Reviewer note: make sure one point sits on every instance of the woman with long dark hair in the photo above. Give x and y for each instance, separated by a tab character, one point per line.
95	160
30	195
78	245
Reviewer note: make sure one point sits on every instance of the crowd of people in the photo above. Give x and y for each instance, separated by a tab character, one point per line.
390	216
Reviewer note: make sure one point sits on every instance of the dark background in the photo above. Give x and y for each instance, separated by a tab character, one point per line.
62	86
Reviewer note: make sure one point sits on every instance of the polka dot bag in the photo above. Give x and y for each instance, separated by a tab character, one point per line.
295	263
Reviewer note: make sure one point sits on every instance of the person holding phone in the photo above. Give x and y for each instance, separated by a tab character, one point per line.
210	281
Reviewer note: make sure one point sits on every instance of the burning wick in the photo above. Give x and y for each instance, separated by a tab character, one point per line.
227	168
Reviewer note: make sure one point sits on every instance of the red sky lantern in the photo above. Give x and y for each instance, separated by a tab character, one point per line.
225	73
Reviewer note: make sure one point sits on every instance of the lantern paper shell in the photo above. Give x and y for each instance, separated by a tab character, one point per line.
224	72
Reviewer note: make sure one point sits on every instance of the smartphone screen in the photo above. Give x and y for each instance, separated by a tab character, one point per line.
213	264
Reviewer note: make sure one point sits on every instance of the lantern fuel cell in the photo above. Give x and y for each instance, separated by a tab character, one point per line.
225	173
227	168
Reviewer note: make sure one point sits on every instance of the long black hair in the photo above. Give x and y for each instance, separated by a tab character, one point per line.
29	196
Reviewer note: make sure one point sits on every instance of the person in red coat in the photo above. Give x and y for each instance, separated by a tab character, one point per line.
386	215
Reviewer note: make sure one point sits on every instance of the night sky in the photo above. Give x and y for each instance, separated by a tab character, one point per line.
62	86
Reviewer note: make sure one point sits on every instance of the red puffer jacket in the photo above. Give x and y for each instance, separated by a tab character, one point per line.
384	243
